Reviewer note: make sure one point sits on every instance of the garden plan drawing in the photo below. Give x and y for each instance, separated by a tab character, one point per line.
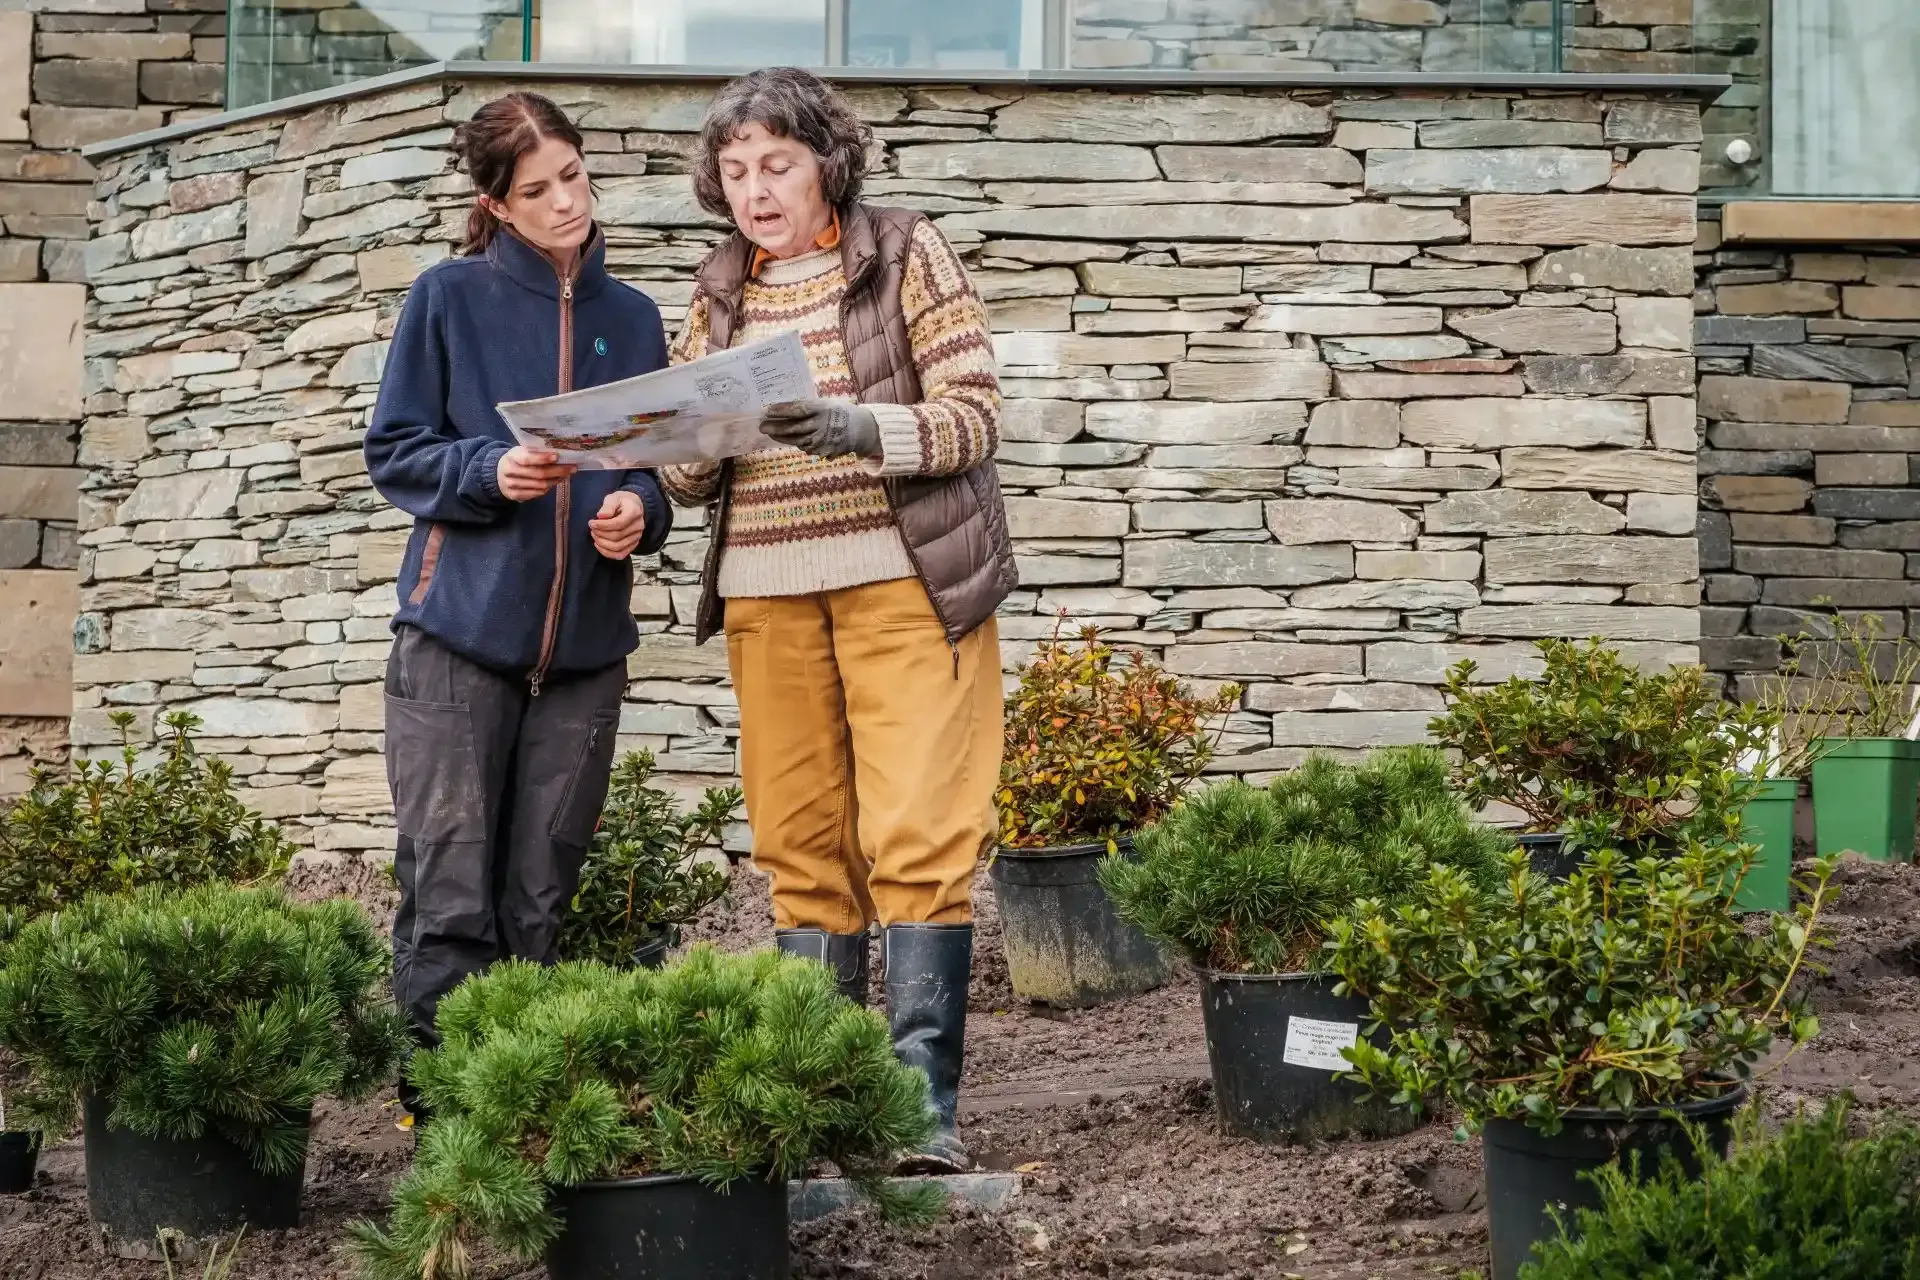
699	412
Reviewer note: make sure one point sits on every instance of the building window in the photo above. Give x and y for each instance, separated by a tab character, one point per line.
1846	101
282	47
700	33
979	35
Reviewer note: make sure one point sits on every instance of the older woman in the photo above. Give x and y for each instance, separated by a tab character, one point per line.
858	565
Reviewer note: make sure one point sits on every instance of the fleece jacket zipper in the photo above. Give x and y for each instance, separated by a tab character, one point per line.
562	501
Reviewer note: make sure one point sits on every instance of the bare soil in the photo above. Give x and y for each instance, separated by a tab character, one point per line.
1107	1115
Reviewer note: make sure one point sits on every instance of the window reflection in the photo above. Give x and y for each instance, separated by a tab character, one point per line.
978	35
709	33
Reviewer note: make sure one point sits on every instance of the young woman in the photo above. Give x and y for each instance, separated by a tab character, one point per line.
509	656
858	565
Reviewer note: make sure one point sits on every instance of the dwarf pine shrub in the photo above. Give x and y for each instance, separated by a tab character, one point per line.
212	1009
720	1068
1246	880
1812	1201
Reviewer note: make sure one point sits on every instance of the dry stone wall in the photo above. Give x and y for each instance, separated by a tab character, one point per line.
72	72
1810	470
1317	392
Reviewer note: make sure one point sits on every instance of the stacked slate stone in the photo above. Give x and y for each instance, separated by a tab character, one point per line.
71	72
1646	37
1809	482
1316	392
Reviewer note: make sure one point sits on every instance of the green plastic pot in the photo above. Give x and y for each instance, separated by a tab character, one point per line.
1767	821
1863	797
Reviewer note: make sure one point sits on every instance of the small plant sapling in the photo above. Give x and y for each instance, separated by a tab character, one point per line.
1245	880
115	827
1815	1200
1632	984
643	876
718	1068
1100	743
1610	755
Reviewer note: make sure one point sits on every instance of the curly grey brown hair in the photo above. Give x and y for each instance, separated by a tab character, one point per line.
789	103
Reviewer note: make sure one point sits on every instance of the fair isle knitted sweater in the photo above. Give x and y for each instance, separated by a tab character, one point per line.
800	524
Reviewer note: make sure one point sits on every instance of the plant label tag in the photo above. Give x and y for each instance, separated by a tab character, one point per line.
1313	1043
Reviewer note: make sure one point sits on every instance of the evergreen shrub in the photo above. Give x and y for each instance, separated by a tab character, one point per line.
1814	1201
642	876
719	1067
1099	743
115	827
1246	880
212	1009
1613	756
1631	984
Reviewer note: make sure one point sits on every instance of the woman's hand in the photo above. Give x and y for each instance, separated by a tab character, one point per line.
525	474
824	428
616	530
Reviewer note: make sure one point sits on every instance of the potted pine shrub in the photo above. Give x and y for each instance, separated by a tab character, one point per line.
638	1122
1245	882
643	877
1098	745
1856	689
1576	1022
1597	754
112	826
1814	1200
189	1032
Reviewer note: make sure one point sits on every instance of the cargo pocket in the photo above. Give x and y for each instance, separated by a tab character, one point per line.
579	808
433	770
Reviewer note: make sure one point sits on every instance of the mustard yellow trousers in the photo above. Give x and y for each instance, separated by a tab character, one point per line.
870	753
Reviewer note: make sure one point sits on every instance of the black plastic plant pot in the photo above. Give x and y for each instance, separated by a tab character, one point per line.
19	1154
652	954
199	1191
1273	1043
1065	944
1529	1174
670	1228
1549	854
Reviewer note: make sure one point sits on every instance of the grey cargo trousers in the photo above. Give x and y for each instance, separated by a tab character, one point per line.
495	795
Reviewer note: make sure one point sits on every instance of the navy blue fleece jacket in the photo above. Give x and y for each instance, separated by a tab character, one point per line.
515	586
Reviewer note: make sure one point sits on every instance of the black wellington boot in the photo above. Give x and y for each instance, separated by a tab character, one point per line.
927	966
844	953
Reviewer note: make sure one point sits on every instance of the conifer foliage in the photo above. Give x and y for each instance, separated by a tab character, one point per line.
213	1009
720	1067
1813	1201
1246	880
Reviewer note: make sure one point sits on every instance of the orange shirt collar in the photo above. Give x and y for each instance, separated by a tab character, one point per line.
828	239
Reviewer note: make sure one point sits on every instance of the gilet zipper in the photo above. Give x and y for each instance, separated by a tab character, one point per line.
893	510
562	502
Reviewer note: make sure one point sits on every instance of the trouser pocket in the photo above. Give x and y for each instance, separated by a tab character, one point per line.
578	809
433	769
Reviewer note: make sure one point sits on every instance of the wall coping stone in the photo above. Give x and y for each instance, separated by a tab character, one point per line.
1704	87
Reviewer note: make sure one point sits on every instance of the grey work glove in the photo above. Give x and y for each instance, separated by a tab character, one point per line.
824	428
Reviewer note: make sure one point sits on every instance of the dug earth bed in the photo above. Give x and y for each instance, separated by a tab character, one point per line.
1107	1116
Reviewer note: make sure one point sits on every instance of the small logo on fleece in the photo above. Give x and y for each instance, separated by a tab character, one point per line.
599	346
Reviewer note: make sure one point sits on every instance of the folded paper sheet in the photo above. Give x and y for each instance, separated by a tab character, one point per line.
698	412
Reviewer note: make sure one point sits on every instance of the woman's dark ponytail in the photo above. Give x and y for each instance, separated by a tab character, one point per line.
491	144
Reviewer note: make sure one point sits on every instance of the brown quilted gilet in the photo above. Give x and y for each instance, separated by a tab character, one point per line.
955	527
